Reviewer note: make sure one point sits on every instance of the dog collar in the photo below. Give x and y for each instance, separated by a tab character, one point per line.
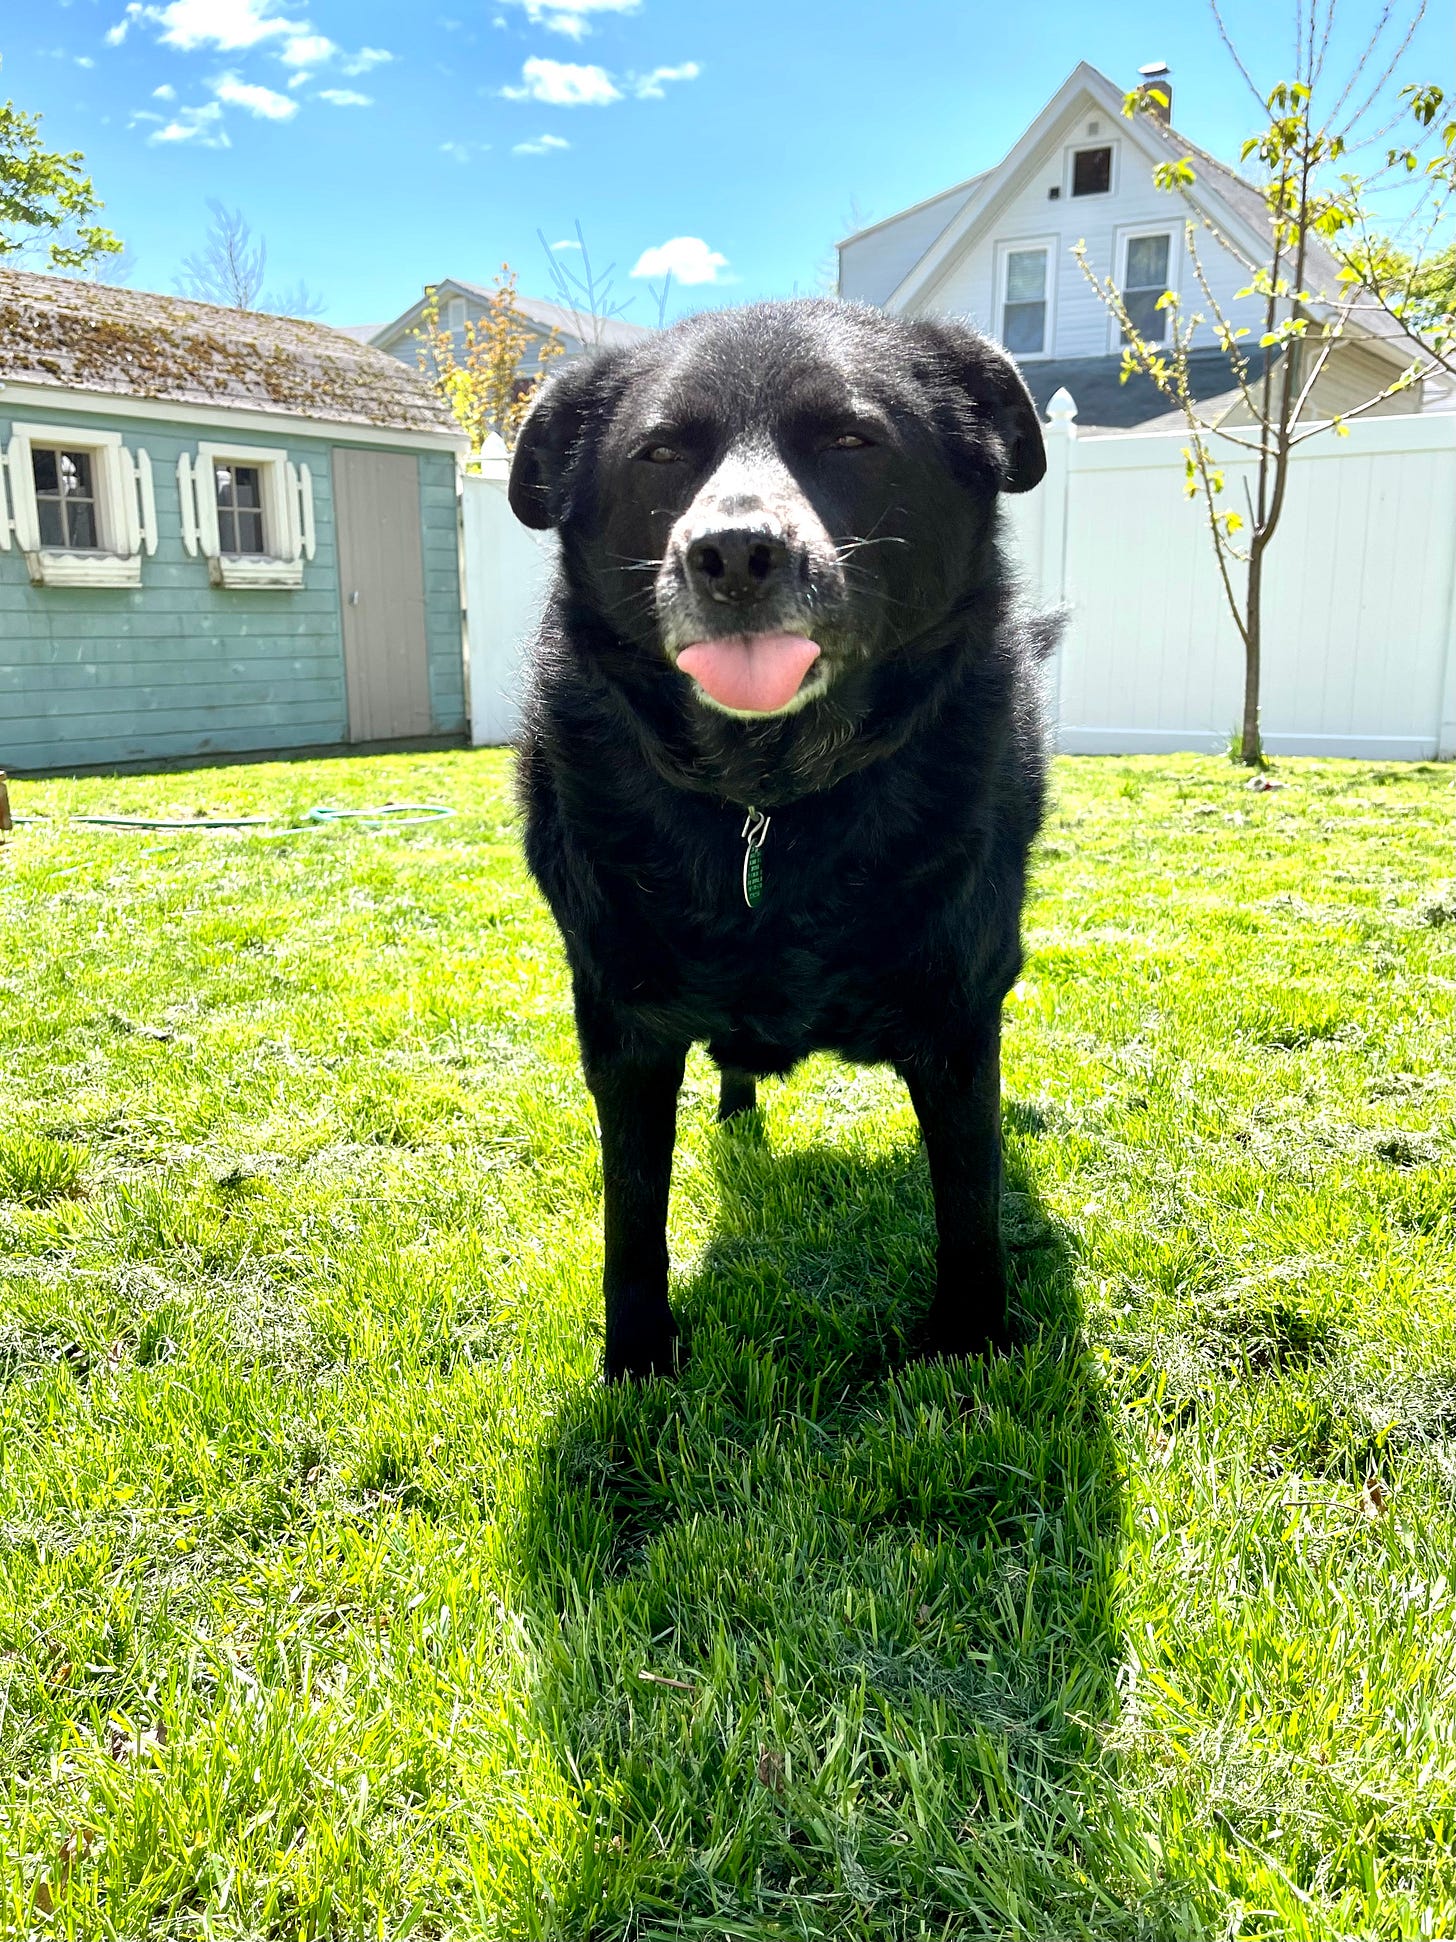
754	830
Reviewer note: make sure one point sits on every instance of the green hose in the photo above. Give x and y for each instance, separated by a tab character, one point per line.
394	814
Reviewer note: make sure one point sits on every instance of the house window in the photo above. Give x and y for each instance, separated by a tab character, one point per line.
249	511
455	315
239	507
1145	278
81	505
1091	171
1024	311
65	497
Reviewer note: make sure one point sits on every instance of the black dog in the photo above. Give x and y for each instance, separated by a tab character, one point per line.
782	757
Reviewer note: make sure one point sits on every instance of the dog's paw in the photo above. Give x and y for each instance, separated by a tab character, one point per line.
637	1350
952	1336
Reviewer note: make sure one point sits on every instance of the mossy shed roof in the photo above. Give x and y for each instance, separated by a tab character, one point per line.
67	332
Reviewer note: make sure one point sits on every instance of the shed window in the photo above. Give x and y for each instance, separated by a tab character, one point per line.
248	510
1023	314
78	504
239	508
1092	171
65	498
1144	281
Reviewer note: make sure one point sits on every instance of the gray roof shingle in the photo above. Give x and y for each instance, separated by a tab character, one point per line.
68	332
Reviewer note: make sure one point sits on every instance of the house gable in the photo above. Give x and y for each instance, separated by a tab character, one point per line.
399	337
1017	226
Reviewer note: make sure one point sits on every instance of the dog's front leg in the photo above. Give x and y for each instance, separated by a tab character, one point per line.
636	1090
956	1090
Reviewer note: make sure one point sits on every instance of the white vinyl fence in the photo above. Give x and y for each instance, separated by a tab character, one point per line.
506	570
1359	624
1359	595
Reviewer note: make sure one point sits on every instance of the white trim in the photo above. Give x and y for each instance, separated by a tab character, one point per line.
1085	146
50	568
44	397
1121	237
1017	246
253	570
5	517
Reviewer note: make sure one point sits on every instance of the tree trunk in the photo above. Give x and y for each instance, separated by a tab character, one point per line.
1251	747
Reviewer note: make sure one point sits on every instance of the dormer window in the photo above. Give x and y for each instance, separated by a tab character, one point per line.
1092	171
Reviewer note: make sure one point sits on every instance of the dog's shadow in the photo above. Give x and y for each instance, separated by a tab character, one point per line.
818	1626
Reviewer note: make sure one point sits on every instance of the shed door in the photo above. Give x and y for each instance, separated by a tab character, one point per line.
382	580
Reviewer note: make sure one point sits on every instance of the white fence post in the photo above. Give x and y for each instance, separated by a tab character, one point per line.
1059	437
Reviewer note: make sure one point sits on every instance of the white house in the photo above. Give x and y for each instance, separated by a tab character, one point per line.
998	249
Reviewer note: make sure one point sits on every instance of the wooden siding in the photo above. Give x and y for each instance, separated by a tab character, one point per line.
177	667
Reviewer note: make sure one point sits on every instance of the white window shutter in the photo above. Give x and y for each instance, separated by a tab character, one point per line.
293	538
22	494
4	506
146	501
204	499
188	501
305	509
129	539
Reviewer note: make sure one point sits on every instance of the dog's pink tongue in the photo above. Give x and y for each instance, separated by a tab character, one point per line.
752	673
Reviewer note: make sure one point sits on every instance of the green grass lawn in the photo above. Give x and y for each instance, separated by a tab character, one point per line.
337	1598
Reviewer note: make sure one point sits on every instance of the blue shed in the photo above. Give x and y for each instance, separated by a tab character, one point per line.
220	531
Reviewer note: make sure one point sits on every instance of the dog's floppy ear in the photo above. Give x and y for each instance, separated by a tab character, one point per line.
995	393
551	438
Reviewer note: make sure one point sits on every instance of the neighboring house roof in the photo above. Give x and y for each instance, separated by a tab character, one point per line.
1105	403
546	316
67	332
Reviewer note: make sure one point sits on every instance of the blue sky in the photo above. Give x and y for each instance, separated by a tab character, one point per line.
377	146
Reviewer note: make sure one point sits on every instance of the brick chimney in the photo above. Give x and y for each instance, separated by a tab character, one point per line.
1157	79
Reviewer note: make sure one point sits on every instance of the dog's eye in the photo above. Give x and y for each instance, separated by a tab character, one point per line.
848	442
660	455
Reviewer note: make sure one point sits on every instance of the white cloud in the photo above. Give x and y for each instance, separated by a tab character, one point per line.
114	36
648	87
301	79
84	60
201	125
305	50
571	17
687	259
164	93
462	151
567	242
563	85
345	98
366	58
226	24
543	146
263	102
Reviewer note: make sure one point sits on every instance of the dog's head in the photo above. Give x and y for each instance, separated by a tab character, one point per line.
776	500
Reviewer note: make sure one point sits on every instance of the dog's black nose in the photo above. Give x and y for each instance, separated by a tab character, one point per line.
737	567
